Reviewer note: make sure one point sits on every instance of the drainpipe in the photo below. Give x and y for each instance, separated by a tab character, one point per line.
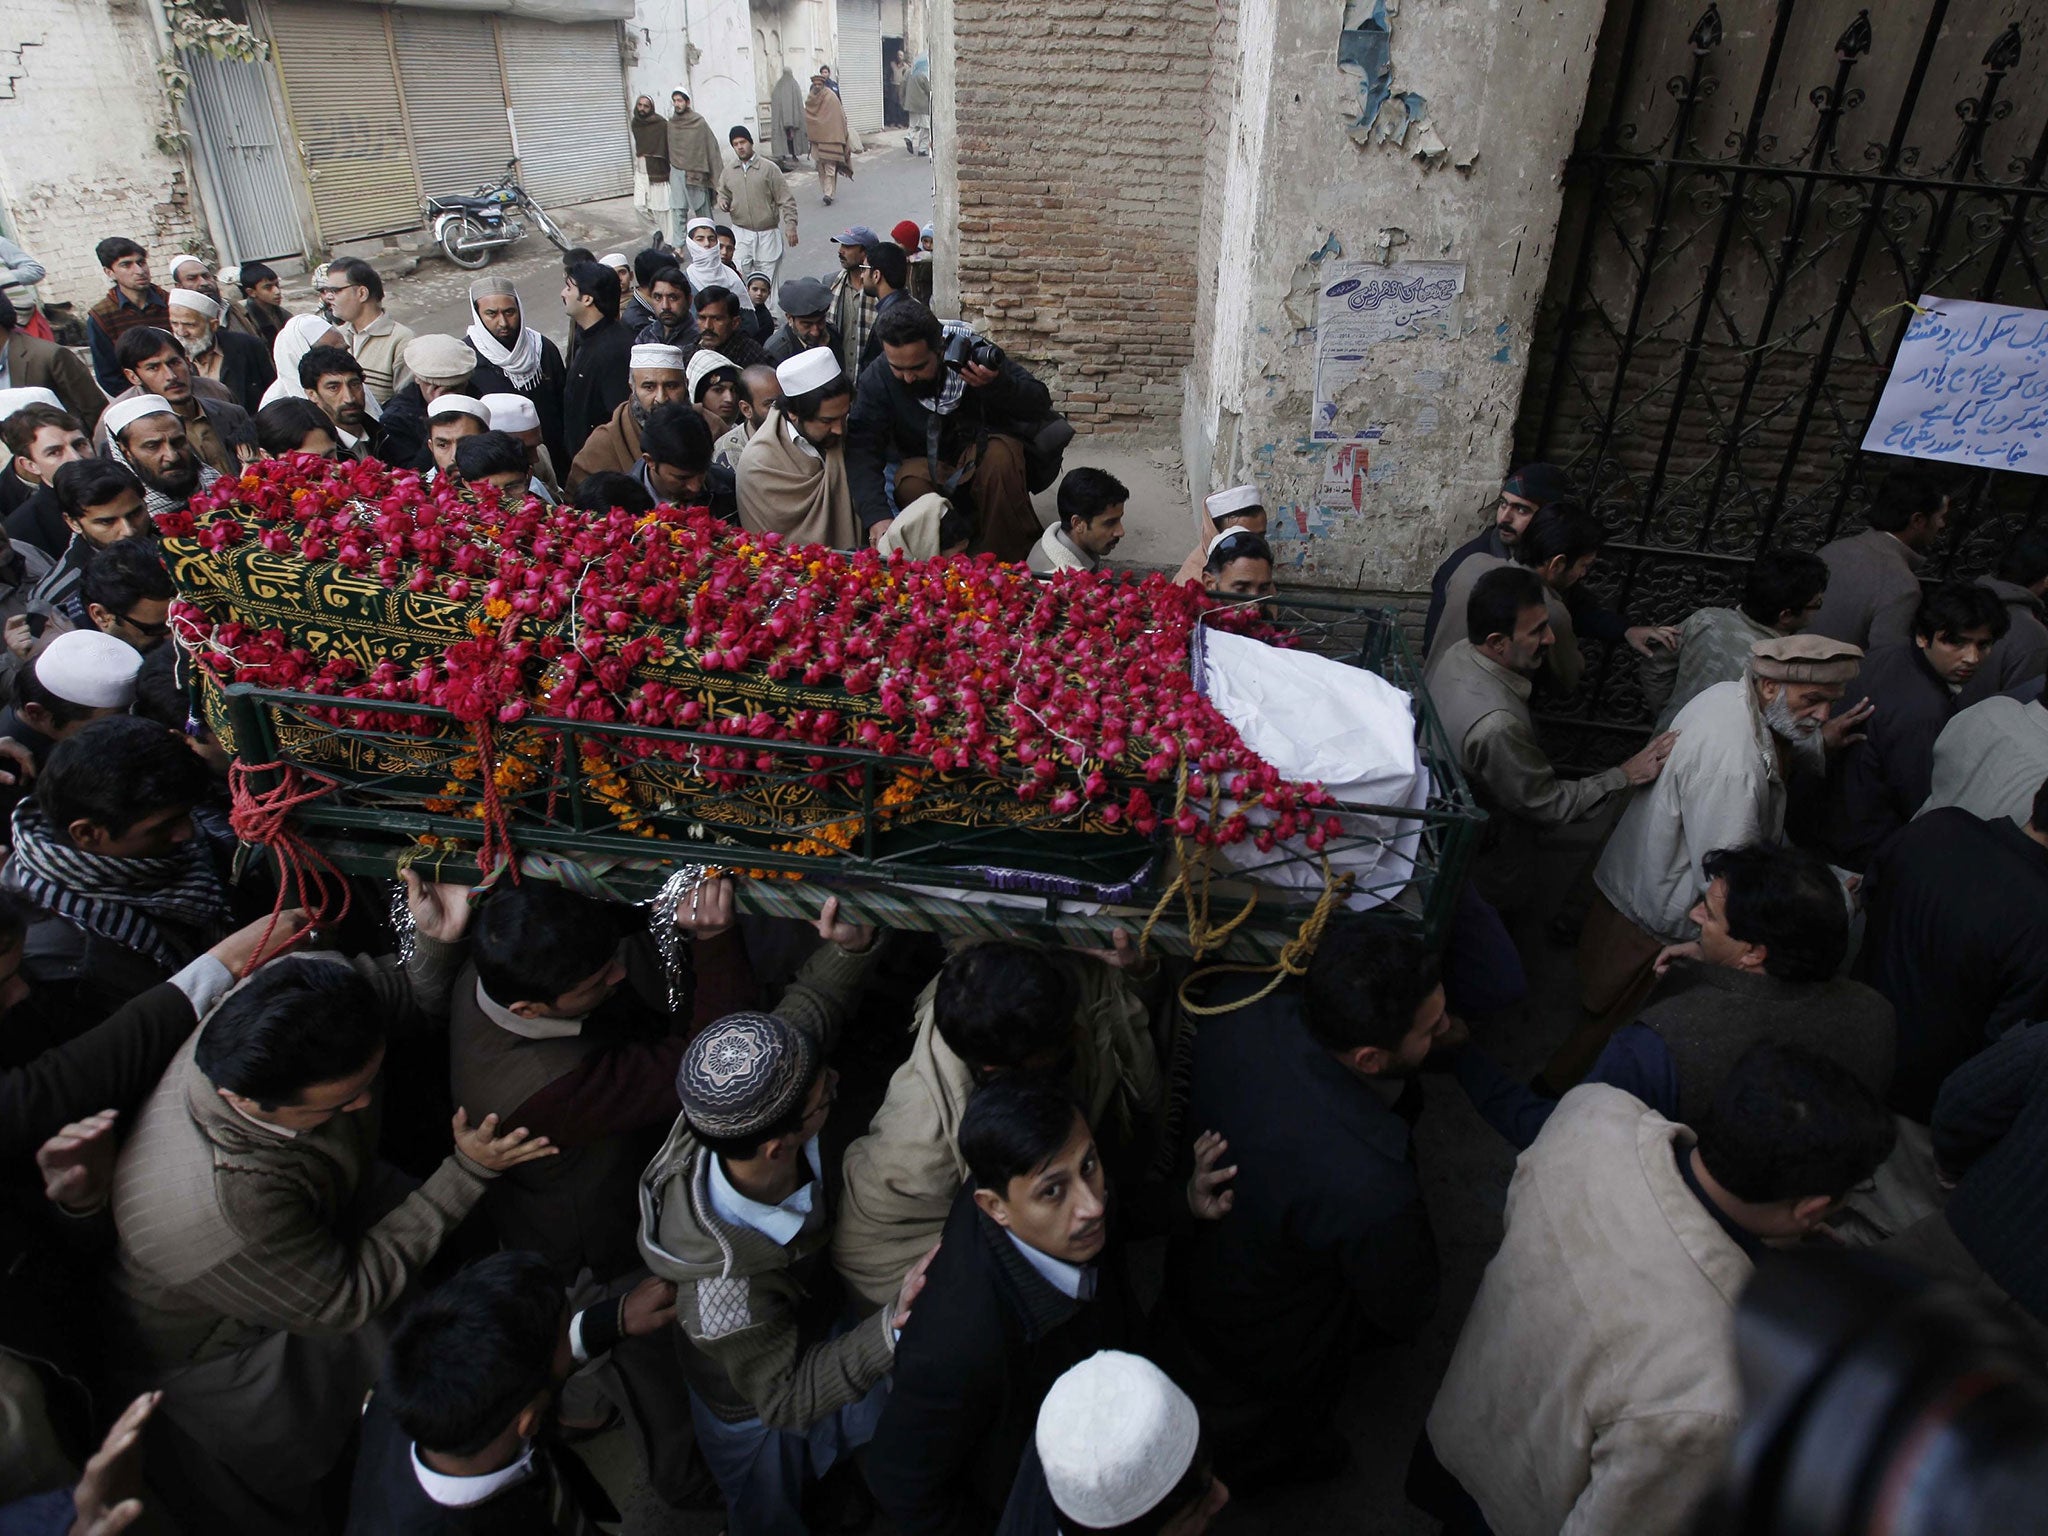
198	170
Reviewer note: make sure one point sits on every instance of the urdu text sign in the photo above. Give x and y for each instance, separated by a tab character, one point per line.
1970	387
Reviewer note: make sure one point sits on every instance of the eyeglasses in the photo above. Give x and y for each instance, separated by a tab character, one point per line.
323	288
143	627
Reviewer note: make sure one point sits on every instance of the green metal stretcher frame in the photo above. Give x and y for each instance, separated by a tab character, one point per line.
370	839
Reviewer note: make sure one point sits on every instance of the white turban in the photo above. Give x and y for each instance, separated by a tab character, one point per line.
511	413
122	412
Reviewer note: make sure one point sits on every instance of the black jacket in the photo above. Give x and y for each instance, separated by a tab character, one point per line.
890	423
402	439
1991	1130
1327	1245
1876	786
545	393
37	521
246	367
986	1341
1957	938
595	385
113	1065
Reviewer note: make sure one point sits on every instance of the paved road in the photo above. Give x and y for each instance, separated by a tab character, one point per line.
888	185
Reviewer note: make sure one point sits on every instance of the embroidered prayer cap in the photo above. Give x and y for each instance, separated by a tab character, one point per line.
613	259
1539	482
436	359
805	296
12	400
701	363
1239	498
744	1074
194	300
812	368
122	412
458	405
494	288
90	668
511	413
1805	659
1115	1436
654	355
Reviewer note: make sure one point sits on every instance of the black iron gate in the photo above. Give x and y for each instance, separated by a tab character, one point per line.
1746	222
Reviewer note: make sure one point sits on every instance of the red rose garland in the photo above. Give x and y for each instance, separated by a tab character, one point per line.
1078	687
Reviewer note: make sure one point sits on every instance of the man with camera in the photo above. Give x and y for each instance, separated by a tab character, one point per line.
960	419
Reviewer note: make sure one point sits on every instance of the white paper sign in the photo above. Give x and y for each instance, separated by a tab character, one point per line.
1970	387
1363	305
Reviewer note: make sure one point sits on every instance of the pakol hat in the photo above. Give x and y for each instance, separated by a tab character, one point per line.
1805	659
812	368
805	296
194	300
511	413
1239	498
436	359
744	1073
90	668
652	354
1115	1436
458	405
124	412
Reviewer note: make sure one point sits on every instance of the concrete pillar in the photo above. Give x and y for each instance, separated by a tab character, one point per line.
1463	166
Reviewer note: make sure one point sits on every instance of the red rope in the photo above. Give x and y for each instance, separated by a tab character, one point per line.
264	817
497	841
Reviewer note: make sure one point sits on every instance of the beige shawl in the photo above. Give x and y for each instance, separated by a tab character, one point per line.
825	126
789	488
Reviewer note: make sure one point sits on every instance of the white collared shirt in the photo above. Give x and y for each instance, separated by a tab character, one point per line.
1072	1280
468	1492
527	1029
780	1223
801	441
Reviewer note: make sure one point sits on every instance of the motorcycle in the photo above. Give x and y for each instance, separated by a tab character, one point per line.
471	229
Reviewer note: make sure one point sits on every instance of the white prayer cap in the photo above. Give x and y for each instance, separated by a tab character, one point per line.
194	300
703	362
696	224
1239	498
613	259
511	413
12	400
186	258
812	368
1225	537
1115	1436
458	405
230	275
122	412
653	354
90	668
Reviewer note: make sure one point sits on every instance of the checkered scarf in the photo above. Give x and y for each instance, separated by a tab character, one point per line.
168	908
156	502
947	401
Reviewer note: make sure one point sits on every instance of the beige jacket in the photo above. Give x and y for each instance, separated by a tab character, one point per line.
381	351
1593	1391
756	195
902	1176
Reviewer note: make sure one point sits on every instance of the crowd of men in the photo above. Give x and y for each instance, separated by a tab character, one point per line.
1812	962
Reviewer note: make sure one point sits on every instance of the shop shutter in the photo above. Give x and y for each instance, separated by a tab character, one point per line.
859	65
569	107
341	89
448	63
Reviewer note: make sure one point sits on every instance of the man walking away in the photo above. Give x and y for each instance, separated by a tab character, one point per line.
762	207
825	125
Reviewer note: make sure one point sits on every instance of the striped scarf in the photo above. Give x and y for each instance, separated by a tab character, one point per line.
947	401
167	908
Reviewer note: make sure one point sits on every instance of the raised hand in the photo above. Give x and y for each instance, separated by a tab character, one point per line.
854	938
78	1163
1207	1196
709	911
438	911
483	1145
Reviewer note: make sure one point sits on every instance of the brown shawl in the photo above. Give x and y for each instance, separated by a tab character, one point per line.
693	149
650	143
825	126
787	490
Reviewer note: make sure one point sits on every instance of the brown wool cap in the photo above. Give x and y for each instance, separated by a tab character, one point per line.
1805	659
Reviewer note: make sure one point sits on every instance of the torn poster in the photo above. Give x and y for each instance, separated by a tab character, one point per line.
1365	52
1970	386
1363	304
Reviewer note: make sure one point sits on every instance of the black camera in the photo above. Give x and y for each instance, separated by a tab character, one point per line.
964	347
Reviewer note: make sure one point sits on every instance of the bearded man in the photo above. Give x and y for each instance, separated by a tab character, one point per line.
231	358
792	473
512	358
656	376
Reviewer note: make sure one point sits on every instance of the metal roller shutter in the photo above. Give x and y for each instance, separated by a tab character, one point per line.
341	89
859	64
448	63
569	106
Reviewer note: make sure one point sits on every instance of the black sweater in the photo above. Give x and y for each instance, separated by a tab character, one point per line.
597	383
986	1341
1991	1129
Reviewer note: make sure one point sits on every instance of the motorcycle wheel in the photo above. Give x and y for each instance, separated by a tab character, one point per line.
548	227
462	243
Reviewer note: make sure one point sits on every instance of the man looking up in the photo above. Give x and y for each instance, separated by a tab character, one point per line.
761	206
450	419
1090	526
355	294
1780	596
1874	576
233	359
657	376
1481	686
154	363
596	383
1723	786
1628	1241
806	306
512	358
131	300
100	502
792	473
945	430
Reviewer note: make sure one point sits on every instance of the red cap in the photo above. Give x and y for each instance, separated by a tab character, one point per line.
907	235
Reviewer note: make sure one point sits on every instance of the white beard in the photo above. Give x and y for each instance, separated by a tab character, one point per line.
197	349
1778	716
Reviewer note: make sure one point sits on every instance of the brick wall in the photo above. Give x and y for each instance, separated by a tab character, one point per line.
1080	146
1219	97
79	106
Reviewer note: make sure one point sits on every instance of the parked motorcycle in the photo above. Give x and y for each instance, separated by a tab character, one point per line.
471	229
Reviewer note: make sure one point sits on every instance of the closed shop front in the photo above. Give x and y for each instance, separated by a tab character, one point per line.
448	64
860	63
569	108
348	115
